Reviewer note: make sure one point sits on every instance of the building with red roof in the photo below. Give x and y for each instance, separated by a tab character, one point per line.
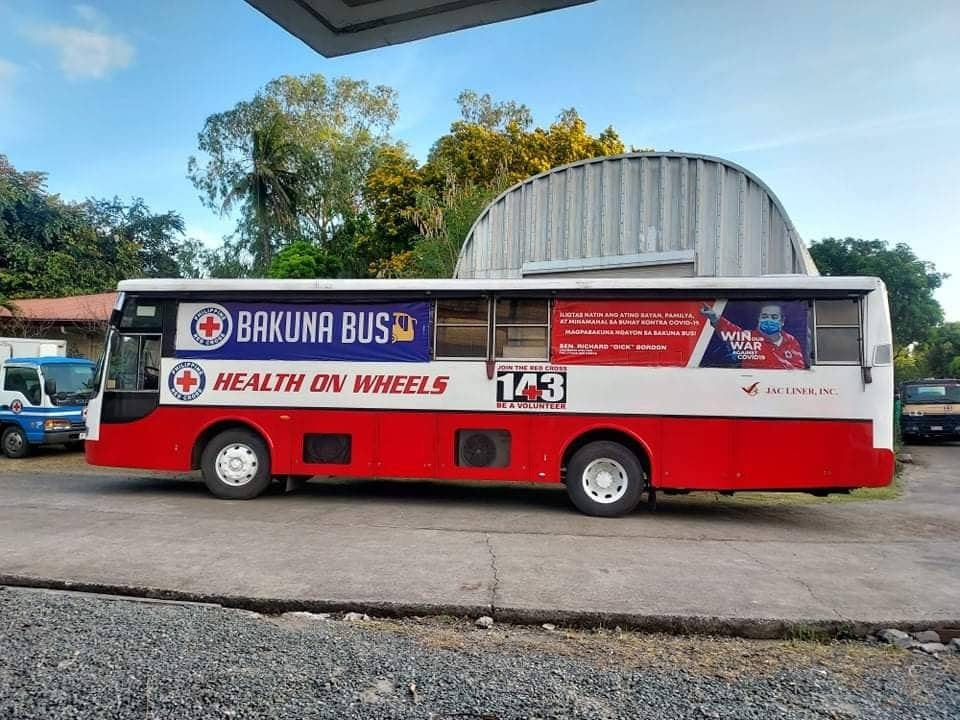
81	320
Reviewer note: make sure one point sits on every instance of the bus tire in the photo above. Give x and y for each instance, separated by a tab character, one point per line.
236	465
14	442
605	479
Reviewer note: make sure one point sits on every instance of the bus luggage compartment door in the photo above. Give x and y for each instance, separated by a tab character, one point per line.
696	454
406	445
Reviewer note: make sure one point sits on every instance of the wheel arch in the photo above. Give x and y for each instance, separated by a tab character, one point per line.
220	425
624	437
15	423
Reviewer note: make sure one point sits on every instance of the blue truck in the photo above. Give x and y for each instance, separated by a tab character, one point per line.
42	400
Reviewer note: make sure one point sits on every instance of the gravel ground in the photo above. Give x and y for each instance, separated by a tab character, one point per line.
70	656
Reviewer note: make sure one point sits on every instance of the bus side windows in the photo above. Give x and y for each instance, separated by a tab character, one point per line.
462	329
837	325
521	329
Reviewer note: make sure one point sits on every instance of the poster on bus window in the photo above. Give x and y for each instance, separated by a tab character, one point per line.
288	331
768	335
625	332
681	333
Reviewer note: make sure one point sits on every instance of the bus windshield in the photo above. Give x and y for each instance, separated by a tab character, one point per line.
932	393
74	382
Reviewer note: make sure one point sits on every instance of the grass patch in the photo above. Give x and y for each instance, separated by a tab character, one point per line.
890	492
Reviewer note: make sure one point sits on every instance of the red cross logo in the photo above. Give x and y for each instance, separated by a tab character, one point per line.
186	381
531	393
210	326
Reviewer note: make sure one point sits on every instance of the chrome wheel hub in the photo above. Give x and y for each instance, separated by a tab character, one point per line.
605	481
236	464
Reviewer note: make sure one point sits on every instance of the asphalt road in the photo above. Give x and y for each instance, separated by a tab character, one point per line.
513	551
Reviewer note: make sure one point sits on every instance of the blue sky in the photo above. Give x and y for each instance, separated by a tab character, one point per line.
849	111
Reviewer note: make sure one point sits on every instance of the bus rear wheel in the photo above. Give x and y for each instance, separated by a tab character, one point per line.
236	465
605	479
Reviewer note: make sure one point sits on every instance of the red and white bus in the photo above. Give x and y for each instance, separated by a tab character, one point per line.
615	387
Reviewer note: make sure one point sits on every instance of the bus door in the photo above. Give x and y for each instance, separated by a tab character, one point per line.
131	371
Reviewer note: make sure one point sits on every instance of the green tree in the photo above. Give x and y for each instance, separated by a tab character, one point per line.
155	236
484	111
230	260
443	222
320	138
910	281
390	194
941	351
494	139
302	259
51	248
191	258
422	214
910	363
267	191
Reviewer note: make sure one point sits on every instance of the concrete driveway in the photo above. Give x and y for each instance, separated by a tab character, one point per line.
517	552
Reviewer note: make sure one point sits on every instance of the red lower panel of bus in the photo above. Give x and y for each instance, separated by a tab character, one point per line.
685	452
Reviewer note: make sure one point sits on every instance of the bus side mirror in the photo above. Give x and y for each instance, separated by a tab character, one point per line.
50	387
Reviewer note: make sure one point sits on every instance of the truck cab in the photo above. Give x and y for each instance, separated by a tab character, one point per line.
42	401
930	409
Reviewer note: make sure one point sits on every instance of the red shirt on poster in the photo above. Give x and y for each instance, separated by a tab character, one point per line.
785	355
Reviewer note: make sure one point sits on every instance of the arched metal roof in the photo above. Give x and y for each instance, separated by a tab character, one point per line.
643	214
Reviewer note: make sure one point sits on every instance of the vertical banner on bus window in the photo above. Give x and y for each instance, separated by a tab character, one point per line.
287	331
768	335
625	332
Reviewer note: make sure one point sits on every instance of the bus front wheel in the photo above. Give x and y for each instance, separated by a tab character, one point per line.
604	479
236	465
14	442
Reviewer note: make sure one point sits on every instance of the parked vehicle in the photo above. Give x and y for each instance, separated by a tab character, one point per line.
616	387
42	401
930	409
31	347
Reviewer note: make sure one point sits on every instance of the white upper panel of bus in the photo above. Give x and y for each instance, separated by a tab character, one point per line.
766	282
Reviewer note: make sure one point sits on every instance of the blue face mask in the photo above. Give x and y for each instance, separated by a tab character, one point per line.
770	327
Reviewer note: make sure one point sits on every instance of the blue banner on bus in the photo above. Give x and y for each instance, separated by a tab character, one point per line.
380	332
769	335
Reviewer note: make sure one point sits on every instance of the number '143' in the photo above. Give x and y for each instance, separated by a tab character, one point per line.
547	387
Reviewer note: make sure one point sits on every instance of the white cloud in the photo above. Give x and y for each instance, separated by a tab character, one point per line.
8	71
88	14
85	52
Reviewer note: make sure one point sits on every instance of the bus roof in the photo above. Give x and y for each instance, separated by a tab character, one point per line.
770	283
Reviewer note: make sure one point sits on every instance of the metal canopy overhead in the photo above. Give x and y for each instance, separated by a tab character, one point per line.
341	27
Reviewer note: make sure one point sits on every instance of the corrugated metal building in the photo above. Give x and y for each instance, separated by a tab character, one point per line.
640	215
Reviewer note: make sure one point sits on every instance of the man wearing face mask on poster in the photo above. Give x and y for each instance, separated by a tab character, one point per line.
767	347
